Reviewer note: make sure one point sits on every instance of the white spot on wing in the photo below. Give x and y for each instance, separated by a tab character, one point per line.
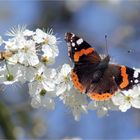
136	81
79	41
136	74
73	44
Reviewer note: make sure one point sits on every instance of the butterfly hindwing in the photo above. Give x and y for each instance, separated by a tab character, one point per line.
127	78
101	84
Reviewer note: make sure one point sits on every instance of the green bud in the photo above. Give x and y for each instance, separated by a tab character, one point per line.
9	77
42	92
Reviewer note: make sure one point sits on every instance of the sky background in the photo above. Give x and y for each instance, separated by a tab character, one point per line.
91	20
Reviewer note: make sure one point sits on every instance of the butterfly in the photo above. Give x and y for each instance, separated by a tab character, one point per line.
94	76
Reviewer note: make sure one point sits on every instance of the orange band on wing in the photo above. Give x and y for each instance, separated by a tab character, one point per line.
124	75
100	97
78	54
76	82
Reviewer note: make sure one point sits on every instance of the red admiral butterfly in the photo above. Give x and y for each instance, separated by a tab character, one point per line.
95	76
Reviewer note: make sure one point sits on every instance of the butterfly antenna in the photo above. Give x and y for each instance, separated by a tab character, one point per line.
106	48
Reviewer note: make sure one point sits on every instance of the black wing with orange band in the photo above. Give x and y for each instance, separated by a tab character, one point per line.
80	51
112	79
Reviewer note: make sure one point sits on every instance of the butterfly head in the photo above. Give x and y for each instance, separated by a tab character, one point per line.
69	36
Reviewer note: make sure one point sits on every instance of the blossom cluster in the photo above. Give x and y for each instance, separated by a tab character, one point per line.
28	56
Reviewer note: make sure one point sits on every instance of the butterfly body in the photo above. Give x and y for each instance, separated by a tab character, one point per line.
94	76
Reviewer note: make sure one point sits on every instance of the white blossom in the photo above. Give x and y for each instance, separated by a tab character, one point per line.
28	73
39	36
102	107
28	46
45	78
27	54
10	74
42	88
40	97
10	77
63	80
16	31
46	38
13	44
127	99
24	51
76	102
49	53
28	33
48	45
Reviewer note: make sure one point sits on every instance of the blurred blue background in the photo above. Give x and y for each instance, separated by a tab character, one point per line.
92	20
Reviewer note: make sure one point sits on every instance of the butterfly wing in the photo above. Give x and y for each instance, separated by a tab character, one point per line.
80	51
98	82
126	78
101	84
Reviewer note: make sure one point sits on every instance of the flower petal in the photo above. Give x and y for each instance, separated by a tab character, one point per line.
118	99
135	102
28	33
48	85
66	69
48	103
36	102
61	88
102	111
124	107
51	40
